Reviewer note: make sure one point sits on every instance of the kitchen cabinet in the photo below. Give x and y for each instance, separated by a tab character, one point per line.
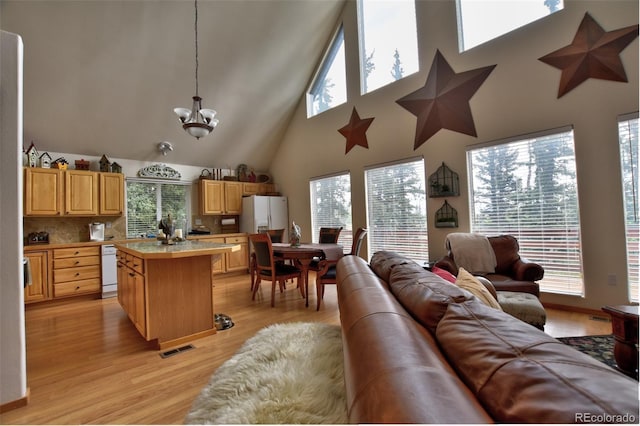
233	261
43	192
250	188
131	293
76	271
53	192
81	193
220	197
111	194
39	289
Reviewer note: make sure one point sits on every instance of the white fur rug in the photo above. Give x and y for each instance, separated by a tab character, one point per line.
286	374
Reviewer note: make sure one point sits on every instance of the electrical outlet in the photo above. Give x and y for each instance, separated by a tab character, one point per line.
612	279
198	222
108	225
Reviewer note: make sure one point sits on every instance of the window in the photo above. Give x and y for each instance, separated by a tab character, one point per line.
397	209
527	187
482	20
149	201
329	87
388	42
331	206
628	135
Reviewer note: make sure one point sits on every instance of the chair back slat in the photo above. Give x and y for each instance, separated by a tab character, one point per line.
357	241
263	250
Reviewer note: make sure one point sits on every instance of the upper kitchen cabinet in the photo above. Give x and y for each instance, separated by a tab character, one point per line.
43	192
220	197
111	194
53	192
81	193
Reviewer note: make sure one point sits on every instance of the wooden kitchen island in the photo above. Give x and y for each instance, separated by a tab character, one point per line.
167	290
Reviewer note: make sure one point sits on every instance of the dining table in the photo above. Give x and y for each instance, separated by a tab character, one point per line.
303	254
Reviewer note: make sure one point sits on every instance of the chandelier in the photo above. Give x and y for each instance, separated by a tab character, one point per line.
197	121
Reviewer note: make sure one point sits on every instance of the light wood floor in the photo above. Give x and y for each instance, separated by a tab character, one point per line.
87	364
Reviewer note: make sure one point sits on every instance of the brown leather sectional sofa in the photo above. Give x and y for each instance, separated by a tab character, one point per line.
418	349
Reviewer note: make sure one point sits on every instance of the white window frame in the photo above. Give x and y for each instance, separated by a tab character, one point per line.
402	238
556	247
383	51
183	223
630	171
336	48
318	221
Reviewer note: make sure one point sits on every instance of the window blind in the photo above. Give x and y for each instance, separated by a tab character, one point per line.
397	209
150	201
527	187
628	136
331	206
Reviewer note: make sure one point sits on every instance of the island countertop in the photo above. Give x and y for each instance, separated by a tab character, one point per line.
188	248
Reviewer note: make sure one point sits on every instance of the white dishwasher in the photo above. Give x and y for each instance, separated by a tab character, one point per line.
109	271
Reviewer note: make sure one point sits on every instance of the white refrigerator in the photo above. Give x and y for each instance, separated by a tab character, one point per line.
264	212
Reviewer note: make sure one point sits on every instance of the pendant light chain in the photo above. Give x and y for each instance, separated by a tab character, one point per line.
196	32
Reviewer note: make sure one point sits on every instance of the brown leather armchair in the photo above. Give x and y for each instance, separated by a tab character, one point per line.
513	273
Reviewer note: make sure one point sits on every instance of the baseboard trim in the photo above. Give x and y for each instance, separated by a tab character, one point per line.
568	308
18	403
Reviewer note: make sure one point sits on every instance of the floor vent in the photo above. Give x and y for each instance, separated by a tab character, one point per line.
176	351
597	318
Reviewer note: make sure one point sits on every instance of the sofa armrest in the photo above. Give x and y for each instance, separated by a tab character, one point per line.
525	270
489	286
447	263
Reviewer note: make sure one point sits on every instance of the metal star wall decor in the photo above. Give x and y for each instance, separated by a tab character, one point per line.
594	53
356	131
443	102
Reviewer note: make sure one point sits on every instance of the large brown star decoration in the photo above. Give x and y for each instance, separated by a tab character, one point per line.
594	53
443	102
356	131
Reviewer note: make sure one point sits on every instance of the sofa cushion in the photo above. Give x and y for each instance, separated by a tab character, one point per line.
522	375
382	262
470	283
424	294
443	274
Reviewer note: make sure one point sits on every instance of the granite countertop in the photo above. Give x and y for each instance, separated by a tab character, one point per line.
39	247
187	248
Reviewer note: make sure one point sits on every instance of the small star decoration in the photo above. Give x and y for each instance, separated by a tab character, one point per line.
356	130
443	102
594	53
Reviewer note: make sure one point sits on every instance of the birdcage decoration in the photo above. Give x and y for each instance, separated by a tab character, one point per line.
444	183
446	216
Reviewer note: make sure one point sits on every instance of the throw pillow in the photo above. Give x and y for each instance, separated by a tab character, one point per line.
468	282
442	273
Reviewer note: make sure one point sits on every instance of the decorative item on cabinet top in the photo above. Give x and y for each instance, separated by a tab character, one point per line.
444	183
82	164
159	171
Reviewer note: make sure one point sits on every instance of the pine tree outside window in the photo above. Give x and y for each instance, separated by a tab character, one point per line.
629	152
527	187
397	209
331	206
388	42
149	201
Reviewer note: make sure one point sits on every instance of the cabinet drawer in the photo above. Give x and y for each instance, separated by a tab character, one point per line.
71	262
76	274
76	252
135	263
77	287
236	240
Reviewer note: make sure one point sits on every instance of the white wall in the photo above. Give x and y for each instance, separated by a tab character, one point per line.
13	375
519	97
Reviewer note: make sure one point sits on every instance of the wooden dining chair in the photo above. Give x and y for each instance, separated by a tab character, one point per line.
277	236
267	268
326	273
329	235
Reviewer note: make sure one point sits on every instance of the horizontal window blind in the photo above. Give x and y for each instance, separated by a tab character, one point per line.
629	152
397	209
528	188
331	206
150	201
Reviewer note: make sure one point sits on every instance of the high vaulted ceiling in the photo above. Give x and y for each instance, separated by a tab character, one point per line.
103	76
